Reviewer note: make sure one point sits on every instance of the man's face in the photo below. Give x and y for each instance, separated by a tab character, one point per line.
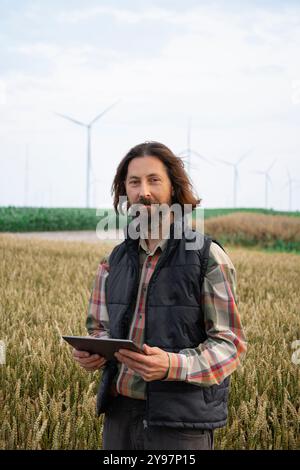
147	182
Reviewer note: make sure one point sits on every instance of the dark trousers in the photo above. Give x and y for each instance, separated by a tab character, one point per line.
124	430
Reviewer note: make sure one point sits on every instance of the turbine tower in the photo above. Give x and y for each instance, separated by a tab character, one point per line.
188	152
26	180
89	129
267	180
290	183
235	173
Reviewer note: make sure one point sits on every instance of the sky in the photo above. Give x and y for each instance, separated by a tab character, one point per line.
231	69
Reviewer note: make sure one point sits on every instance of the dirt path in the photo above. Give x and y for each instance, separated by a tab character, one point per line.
89	236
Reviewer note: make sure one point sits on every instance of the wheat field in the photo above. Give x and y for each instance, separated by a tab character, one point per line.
275	232
48	402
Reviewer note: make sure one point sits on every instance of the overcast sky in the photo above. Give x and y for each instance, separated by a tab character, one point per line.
232	67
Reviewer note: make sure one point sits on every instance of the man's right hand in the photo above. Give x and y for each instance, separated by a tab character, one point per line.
90	362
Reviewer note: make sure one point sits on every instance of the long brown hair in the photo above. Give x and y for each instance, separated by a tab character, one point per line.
183	189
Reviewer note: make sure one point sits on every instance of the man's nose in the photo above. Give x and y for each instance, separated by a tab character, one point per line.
144	190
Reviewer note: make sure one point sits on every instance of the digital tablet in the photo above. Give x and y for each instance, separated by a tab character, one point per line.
105	347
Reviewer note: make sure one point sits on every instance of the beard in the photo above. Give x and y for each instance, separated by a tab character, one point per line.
149	217
145	208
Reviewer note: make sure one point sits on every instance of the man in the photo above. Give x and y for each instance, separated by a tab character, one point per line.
176	303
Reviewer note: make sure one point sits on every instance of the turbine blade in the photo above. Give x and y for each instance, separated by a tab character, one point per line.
201	156
271	166
224	161
193	167
103	112
71	119
244	155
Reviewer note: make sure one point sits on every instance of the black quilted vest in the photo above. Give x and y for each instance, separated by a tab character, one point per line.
174	321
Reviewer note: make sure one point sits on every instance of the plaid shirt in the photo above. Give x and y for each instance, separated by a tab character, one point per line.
209	363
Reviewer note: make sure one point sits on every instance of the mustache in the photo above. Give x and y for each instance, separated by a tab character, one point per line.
145	201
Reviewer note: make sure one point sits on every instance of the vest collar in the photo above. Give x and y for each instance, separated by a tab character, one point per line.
177	232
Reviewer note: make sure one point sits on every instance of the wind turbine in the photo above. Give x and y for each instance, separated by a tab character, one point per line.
89	129
26	180
235	172
188	152
267	180
290	183
50	195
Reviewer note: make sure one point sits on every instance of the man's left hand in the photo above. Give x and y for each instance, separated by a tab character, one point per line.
152	366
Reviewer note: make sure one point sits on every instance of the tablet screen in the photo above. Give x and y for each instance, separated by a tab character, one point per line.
105	347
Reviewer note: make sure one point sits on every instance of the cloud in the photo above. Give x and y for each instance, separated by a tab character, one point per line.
37	50
221	38
58	56
118	14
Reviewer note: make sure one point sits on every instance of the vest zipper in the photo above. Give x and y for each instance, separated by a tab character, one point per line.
145	424
156	271
131	308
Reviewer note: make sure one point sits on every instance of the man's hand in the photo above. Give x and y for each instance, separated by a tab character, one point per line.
153	366
89	361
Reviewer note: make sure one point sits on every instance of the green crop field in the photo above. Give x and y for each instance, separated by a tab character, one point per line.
31	219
